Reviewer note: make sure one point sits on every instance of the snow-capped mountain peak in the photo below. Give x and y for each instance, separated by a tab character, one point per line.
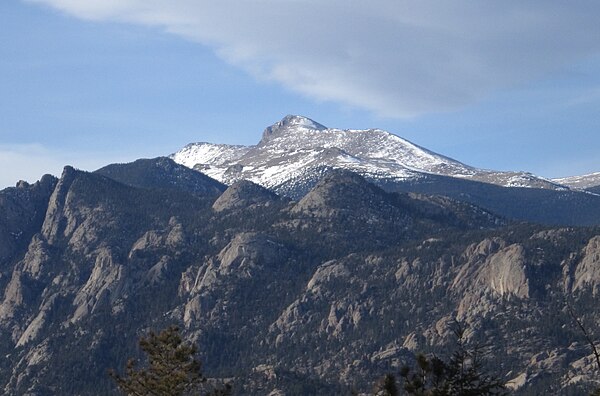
291	123
296	147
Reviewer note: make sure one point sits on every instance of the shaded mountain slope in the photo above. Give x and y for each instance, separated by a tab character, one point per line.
22	210
544	206
244	194
581	182
595	189
311	297
162	173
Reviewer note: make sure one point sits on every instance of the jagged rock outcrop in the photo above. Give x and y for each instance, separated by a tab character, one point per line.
587	272
105	285
247	261
23	297
506	272
58	223
493	271
22	211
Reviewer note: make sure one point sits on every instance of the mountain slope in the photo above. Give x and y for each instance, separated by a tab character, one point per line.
257	289
296	152
535	205
22	210
311	297
243	195
162	173
100	247
582	182
296	144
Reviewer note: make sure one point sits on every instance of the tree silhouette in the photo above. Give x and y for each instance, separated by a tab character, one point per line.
462	375
172	369
589	340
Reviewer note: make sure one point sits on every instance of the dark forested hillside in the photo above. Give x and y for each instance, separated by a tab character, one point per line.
317	296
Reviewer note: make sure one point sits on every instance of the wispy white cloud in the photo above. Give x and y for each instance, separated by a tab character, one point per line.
396	58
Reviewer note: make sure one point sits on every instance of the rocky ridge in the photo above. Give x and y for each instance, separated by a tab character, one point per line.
316	296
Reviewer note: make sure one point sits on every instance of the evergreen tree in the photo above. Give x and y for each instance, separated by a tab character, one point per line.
172	369
386	386
462	375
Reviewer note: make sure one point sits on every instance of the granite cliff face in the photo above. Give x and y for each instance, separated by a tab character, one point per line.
315	296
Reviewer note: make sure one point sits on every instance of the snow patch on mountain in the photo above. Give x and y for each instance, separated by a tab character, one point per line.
583	181
290	148
208	153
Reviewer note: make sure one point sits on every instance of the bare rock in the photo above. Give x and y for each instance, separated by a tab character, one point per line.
587	272
492	267
505	272
104	286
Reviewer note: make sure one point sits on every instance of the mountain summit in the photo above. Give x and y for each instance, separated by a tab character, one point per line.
295	149
290	123
296	152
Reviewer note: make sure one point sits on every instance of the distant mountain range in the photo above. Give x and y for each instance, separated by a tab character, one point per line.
296	152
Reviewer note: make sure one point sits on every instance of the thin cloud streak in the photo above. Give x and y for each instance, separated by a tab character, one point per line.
395	58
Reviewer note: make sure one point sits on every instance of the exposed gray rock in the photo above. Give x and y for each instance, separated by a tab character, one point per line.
57	222
36	326
505	272
248	258
36	258
172	237
325	273
13	298
105	285
493	267
587	272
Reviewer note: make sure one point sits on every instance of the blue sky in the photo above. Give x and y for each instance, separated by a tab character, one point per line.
504	86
